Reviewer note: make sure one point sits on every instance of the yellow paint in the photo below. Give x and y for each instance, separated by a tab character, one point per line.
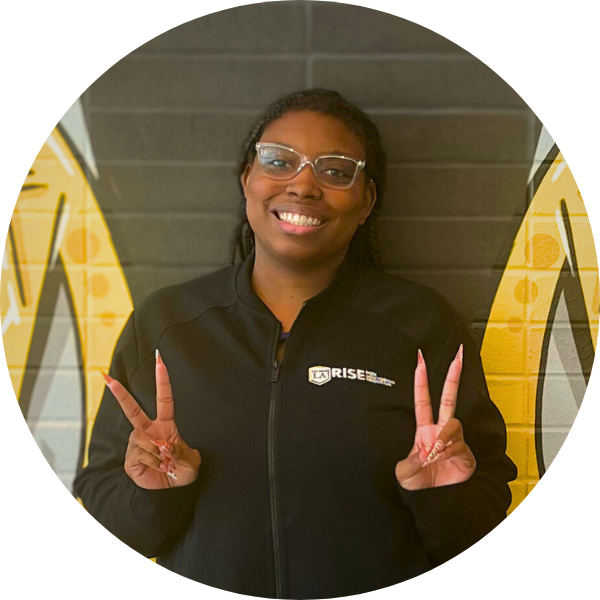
512	344
84	243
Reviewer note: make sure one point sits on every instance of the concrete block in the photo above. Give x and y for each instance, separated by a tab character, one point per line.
517	448
143	280
455	138
504	355
386	83
519	493
256	28
462	289
168	188
63	383
59	443
449	244
432	192
342	28
188	240
510	395
170	137
196	83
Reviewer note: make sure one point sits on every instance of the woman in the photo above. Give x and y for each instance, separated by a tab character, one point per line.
307	457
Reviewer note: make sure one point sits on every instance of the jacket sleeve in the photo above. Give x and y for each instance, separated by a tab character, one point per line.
148	521
452	518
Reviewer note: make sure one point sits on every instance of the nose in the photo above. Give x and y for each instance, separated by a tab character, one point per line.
304	184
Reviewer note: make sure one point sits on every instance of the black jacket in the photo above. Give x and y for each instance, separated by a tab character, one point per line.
296	496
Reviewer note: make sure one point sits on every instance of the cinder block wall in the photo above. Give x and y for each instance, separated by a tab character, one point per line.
166	125
168	121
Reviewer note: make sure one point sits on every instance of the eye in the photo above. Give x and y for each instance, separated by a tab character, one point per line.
278	163
336	173
337	169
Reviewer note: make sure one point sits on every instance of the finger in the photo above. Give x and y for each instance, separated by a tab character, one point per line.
138	456
451	433
423	412
183	454
450	391
163	448
409	467
164	394
135	415
142	440
457	449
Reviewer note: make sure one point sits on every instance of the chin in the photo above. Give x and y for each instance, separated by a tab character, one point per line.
308	257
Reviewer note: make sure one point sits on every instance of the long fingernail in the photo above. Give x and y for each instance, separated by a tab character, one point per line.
107	378
420	359
459	354
437	448
159	359
171	474
163	445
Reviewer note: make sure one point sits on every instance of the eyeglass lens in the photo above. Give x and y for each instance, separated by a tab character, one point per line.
281	163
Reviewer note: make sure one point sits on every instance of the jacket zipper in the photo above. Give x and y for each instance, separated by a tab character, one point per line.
275	365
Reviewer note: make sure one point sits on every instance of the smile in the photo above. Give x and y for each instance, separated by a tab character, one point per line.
298	219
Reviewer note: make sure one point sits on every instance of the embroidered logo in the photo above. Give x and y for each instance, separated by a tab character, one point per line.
321	375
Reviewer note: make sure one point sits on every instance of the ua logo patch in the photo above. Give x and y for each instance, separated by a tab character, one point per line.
319	375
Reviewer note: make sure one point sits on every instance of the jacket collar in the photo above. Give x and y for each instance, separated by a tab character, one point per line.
344	283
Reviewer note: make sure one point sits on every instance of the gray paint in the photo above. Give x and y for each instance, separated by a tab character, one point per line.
56	415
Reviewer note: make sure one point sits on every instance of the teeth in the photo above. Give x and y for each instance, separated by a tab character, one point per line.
297	219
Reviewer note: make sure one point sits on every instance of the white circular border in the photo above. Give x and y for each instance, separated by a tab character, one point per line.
52	51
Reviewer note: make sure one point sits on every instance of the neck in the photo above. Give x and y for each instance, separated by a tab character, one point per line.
284	287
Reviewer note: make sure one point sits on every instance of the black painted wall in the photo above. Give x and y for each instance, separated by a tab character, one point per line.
168	121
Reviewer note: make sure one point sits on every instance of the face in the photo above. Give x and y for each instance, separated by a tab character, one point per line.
338	213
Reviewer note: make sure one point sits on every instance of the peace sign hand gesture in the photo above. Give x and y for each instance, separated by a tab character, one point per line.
440	455
156	458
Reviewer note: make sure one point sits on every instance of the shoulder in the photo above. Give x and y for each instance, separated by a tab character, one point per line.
186	301
416	309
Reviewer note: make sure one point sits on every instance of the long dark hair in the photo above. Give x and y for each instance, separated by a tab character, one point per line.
364	246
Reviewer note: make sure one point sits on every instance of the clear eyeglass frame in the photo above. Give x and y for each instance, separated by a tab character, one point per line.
304	160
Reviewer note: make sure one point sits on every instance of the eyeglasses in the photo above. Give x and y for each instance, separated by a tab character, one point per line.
332	171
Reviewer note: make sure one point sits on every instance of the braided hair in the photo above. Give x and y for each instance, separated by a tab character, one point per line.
364	246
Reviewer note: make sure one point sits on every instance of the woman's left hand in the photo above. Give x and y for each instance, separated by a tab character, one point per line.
440	455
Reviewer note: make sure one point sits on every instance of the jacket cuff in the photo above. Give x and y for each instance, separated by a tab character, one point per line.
442	509
164	508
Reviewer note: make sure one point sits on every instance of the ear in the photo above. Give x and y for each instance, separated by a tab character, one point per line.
244	178
370	199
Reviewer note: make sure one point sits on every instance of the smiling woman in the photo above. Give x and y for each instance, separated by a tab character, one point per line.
293	449
339	208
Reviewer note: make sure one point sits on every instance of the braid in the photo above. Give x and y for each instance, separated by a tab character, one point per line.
243	236
364	247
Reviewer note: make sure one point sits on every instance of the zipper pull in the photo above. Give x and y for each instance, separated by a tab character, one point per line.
275	371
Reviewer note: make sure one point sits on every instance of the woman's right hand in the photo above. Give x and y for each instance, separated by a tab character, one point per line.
156	458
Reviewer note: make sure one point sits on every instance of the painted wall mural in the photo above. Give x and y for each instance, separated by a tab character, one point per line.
65	299
542	328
